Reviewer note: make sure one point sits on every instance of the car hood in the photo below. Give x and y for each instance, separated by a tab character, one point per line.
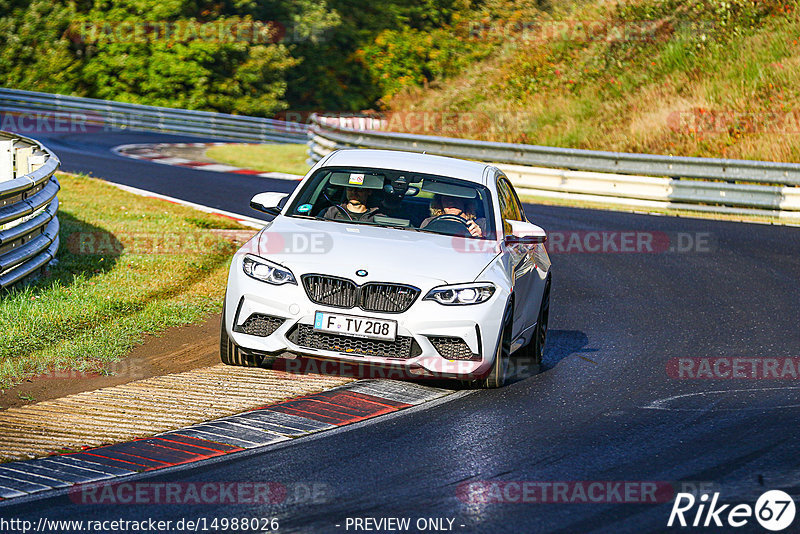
387	254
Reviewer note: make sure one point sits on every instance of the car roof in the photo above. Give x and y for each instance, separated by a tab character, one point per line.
408	161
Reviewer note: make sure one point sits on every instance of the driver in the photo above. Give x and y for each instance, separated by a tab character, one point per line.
460	207
356	207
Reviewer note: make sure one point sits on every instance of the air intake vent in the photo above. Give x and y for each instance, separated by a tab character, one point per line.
403	347
260	325
453	348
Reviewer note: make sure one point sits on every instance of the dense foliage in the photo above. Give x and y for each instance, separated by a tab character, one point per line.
241	56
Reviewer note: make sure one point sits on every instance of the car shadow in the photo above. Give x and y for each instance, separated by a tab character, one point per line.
560	344
563	343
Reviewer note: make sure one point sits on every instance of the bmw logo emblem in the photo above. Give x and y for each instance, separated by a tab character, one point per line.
362	272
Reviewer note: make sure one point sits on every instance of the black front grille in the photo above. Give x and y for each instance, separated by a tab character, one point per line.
392	298
402	347
260	325
331	291
452	348
372	296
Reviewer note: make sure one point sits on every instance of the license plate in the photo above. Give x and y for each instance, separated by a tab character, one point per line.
352	325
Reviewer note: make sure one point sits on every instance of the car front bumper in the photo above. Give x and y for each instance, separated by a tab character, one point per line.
422	325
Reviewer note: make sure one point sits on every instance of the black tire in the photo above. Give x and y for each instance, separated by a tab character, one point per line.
497	376
230	354
534	350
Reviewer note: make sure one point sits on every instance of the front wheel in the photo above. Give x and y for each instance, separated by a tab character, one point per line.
497	376
534	350
229	353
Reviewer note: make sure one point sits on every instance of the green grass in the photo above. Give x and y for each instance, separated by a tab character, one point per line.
288	158
127	266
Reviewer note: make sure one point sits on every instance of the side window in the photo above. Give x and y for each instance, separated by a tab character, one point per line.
503	201
517	203
509	205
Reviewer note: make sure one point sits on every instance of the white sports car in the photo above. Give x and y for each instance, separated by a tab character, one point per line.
397	259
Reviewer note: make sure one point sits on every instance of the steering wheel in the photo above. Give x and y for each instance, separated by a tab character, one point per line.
337	206
450	224
342	210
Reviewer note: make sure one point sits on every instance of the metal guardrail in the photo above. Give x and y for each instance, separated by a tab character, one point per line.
82	114
568	158
643	180
28	205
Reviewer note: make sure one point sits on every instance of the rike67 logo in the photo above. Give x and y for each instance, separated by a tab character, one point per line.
774	510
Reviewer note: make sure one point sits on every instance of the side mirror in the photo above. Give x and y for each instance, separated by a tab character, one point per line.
271	203
525	233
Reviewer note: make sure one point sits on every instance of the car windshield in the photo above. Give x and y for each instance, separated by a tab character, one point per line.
397	199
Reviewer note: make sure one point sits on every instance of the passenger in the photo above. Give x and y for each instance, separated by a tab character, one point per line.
356	207
461	207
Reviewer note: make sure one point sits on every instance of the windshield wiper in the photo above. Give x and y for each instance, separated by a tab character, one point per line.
310	217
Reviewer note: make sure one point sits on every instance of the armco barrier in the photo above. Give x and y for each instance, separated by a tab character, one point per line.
639	180
76	113
28	204
741	187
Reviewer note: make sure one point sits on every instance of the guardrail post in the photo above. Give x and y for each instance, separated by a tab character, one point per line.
36	160
6	160
109	120
23	153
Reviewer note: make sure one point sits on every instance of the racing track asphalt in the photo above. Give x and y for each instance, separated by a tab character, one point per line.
91	153
617	319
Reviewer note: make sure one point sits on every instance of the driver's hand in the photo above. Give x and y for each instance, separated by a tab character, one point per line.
474	229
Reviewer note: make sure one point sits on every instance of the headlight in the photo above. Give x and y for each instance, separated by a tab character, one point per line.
266	271
461	294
